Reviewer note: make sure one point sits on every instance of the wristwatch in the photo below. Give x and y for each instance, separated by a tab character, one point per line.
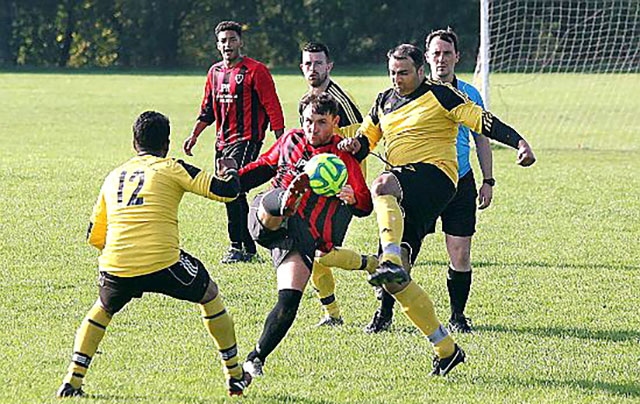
489	181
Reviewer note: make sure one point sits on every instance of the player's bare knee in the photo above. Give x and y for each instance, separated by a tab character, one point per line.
269	221
211	293
385	184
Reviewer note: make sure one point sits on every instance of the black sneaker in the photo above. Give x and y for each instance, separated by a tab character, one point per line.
460	323
250	257
442	366
328	321
292	196
233	256
238	386
253	367
388	272
67	390
380	322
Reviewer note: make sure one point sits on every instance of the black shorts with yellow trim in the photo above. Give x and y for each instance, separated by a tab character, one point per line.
187	279
425	192
459	217
292	236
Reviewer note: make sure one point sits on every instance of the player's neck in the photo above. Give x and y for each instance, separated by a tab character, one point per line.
446	79
232	63
321	88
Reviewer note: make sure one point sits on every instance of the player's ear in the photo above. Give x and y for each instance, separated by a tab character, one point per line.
457	57
329	67
335	120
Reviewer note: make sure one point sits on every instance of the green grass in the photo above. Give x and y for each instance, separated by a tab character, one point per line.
555	295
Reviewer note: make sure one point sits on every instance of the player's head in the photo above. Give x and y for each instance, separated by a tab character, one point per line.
319	117
229	40
406	68
442	53
316	64
151	133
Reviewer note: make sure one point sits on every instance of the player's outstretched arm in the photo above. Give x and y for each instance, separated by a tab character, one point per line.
494	128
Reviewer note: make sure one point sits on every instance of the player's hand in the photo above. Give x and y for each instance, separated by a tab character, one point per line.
225	164
350	145
189	143
347	195
525	154
485	195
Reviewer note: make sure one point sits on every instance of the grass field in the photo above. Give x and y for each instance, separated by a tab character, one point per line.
554	301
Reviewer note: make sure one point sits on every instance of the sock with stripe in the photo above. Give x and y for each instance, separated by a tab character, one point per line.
88	337
220	326
417	305
324	284
391	227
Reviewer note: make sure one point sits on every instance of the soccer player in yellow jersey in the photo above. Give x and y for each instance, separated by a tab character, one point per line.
417	122
135	226
316	66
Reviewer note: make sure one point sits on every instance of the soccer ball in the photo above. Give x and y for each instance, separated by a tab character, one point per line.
327	174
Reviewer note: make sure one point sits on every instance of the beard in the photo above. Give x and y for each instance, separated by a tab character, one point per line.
318	81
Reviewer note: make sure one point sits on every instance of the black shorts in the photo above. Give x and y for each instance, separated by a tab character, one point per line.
426	190
292	236
459	217
187	279
242	152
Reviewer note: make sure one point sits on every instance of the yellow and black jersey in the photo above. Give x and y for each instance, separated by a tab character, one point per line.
422	126
135	220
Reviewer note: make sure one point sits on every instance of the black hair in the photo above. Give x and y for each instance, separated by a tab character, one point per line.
447	35
316	47
229	26
321	104
407	51
151	131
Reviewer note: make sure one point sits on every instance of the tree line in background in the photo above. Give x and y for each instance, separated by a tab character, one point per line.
179	33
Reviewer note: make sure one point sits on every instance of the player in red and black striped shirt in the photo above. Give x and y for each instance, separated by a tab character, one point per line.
295	223
240	96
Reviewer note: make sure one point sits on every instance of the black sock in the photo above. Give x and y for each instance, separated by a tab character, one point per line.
271	202
459	286
386	303
278	323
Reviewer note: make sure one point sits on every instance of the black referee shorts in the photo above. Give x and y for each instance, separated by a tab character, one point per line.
293	236
187	279
459	217
426	191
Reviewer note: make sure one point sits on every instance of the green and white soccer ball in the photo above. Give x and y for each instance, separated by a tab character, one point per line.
327	174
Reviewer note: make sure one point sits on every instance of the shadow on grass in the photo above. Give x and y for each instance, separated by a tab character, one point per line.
629	390
288	398
529	265
582	333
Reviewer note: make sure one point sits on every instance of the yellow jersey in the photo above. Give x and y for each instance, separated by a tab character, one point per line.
135	219
422	127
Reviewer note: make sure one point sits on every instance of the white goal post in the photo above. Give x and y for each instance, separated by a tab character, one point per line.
564	72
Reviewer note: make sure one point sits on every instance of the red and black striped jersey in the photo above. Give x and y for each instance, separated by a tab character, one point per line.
286	159
242	100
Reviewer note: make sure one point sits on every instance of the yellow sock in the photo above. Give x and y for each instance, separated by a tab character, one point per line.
342	258
86	343
325	286
390	225
417	305
220	326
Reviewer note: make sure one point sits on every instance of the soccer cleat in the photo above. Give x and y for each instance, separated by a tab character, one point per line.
328	321
67	390
380	322
442	366
253	367
460	323
233	256
250	257
388	272
238	386
292	196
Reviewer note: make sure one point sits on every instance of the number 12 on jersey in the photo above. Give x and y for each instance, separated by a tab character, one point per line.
134	200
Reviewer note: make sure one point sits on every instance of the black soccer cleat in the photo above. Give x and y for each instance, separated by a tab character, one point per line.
442	366
233	256
292	196
461	324
238	386
67	390
328	321
380	322
253	367
388	272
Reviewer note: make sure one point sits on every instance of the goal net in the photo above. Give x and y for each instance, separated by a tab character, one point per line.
566	74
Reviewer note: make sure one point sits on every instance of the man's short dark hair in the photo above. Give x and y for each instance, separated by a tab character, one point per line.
151	131
316	47
447	35
229	26
321	104
407	51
